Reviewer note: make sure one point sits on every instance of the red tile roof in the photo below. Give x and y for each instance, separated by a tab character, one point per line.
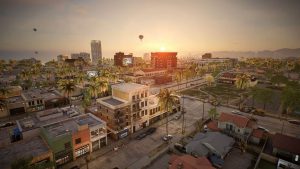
258	133
286	143
189	162
213	125
240	121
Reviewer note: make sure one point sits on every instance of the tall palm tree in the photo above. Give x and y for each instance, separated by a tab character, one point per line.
167	100
67	86
179	77
242	81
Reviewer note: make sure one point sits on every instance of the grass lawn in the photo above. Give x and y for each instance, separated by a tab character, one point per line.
195	92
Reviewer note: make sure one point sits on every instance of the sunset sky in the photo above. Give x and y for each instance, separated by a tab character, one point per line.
175	25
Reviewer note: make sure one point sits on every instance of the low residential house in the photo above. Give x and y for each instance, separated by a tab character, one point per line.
236	125
40	99
35	148
72	138
286	147
30	125
210	144
189	162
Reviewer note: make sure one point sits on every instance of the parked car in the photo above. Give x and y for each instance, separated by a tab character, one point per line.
264	129
259	112
236	112
297	122
141	136
205	128
151	130
7	124
177	116
167	137
180	147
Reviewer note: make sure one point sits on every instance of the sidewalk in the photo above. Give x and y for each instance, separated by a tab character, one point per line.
81	162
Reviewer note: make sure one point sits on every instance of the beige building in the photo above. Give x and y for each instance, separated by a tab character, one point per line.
130	108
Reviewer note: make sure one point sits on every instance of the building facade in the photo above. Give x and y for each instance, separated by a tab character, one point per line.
130	108
96	51
120	59
164	60
84	55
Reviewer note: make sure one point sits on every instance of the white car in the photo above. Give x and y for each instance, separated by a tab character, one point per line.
167	137
264	129
236	112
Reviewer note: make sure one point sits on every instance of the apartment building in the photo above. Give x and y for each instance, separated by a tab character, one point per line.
130	108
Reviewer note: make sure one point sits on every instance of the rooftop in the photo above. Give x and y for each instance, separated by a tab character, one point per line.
72	125
16	99
46	94
239	120
113	101
47	117
189	162
23	149
286	143
128	87
203	143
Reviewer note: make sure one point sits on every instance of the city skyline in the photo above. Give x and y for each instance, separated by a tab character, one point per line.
181	26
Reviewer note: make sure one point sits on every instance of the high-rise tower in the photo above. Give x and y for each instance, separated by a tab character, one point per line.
96	51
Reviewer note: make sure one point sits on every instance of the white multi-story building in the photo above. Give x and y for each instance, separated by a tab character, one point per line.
96	51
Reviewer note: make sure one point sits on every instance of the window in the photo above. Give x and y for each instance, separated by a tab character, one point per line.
142	113
29	103
142	104
146	112
146	103
133	97
78	140
142	95
67	145
150	111
145	94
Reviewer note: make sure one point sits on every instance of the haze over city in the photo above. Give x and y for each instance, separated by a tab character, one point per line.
149	84
188	27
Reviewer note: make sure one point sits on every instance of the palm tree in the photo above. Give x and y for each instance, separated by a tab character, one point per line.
242	81
179	77
80	78
67	86
167	100
212	113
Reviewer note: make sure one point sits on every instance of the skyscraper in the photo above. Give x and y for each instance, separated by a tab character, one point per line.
164	60
96	51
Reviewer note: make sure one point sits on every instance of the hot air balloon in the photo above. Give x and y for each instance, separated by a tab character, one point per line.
34	29
141	37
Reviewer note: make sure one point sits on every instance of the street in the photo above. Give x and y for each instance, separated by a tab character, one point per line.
136	149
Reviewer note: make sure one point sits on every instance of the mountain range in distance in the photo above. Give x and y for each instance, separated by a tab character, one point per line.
279	53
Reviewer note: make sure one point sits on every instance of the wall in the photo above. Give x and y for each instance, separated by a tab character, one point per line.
119	94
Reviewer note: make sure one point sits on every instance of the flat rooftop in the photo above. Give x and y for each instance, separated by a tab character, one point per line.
128	87
113	101
16	99
71	125
47	117
25	148
46	94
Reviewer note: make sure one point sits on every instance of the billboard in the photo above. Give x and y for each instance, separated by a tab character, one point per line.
127	61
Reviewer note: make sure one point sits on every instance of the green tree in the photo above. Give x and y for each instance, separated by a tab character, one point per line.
67	86
279	79
212	113
242	81
263	95
167	100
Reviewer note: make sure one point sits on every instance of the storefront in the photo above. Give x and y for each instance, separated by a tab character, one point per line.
82	150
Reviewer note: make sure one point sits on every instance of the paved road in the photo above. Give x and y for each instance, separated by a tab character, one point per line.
136	149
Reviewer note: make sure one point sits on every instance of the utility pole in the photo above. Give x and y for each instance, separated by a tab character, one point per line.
183	112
